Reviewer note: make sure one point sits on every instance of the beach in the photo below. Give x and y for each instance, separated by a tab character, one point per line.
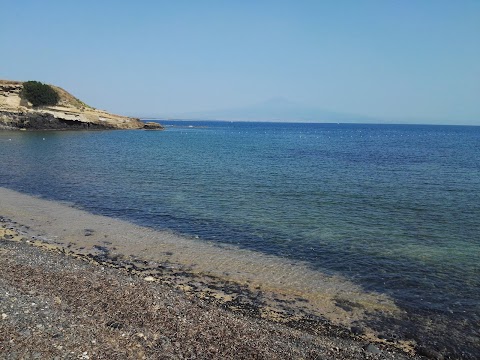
102	287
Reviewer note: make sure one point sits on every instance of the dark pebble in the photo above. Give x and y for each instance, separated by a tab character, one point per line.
372	349
429	353
388	337
357	330
114	325
88	232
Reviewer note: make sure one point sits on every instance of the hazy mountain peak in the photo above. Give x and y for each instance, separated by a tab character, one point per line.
278	101
276	109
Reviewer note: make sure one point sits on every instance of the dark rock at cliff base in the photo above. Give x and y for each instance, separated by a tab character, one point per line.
45	121
153	126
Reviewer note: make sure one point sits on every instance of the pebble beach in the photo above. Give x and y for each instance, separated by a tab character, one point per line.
65	294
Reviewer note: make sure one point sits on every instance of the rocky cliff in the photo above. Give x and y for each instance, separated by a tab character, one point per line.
69	113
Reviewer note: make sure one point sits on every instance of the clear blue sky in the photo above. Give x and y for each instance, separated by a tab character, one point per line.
387	59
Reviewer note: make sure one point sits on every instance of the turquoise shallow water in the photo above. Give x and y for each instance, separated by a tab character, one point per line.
395	208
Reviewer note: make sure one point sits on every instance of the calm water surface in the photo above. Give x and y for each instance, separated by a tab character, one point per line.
395	208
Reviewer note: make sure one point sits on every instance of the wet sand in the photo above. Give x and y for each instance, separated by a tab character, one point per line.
252	285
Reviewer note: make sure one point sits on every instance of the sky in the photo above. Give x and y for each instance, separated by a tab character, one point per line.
400	60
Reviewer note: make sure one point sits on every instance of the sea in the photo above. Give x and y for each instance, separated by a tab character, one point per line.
393	208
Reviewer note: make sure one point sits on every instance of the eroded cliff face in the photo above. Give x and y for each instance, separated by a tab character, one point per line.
69	113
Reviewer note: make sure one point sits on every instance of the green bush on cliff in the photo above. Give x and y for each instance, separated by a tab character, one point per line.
39	94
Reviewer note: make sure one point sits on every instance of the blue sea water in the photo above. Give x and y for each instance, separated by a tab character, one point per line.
395	208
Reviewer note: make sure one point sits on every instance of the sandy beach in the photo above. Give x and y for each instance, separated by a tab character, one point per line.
79	285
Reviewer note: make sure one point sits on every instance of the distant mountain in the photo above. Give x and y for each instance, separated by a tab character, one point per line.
276	109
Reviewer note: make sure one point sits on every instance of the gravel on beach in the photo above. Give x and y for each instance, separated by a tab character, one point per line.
54	306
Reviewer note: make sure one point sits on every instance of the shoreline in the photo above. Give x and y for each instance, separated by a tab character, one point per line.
60	306
243	282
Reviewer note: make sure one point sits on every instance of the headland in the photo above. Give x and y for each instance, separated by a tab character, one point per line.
67	113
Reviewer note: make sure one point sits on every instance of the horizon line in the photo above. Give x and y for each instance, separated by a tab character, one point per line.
305	122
